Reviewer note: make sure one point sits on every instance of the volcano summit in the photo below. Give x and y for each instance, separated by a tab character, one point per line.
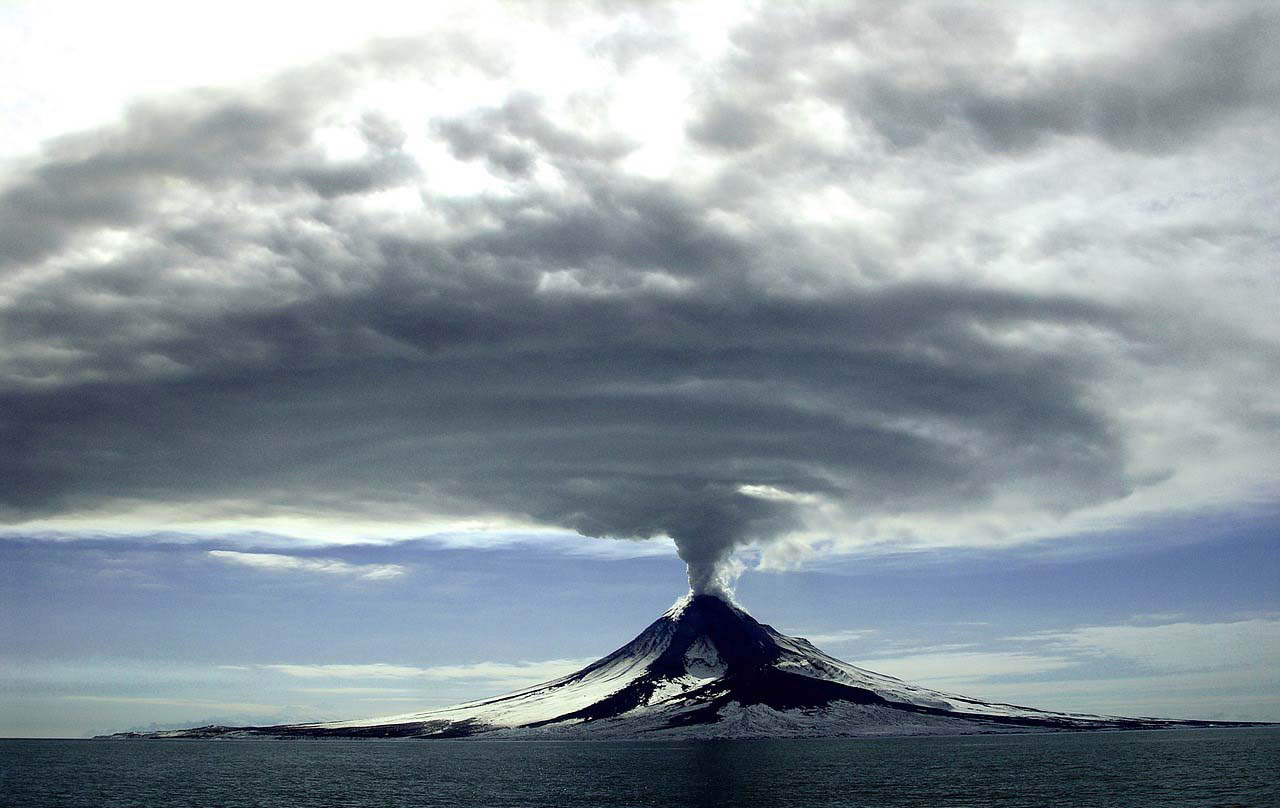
706	669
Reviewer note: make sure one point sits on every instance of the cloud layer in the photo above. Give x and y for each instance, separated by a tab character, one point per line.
276	562
1176	669
505	672
870	275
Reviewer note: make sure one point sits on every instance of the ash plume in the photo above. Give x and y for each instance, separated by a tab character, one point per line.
206	312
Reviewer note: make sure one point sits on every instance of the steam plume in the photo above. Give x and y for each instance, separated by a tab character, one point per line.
715	577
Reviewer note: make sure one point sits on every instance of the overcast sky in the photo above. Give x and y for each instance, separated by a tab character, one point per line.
359	358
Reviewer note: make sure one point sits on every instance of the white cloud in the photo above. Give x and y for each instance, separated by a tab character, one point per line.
513	674
327	566
1226	670
1182	646
346	691
1247	694
58	94
163	701
1239	645
822	639
945	669
776	494
374	670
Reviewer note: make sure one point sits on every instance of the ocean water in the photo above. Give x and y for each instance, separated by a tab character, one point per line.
1102	770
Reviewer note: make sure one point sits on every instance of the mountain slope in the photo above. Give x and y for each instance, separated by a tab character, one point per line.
706	668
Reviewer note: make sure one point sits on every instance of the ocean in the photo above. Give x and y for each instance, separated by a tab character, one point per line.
1236	767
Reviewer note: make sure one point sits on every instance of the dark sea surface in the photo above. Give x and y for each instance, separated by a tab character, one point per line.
1239	767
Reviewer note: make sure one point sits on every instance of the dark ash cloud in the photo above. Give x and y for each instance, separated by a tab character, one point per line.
617	354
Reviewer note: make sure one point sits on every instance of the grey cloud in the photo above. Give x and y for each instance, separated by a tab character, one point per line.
108	178
611	357
1150	102
511	136
730	125
448	376
925	68
640	39
213	138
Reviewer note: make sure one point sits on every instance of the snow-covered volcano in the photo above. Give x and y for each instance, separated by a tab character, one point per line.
706	669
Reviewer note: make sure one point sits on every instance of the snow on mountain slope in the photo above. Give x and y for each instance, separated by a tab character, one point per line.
706	668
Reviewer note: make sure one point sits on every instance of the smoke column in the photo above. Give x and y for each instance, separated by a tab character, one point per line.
708	531
707	571
715	577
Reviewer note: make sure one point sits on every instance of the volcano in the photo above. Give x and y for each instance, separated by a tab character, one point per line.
707	669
